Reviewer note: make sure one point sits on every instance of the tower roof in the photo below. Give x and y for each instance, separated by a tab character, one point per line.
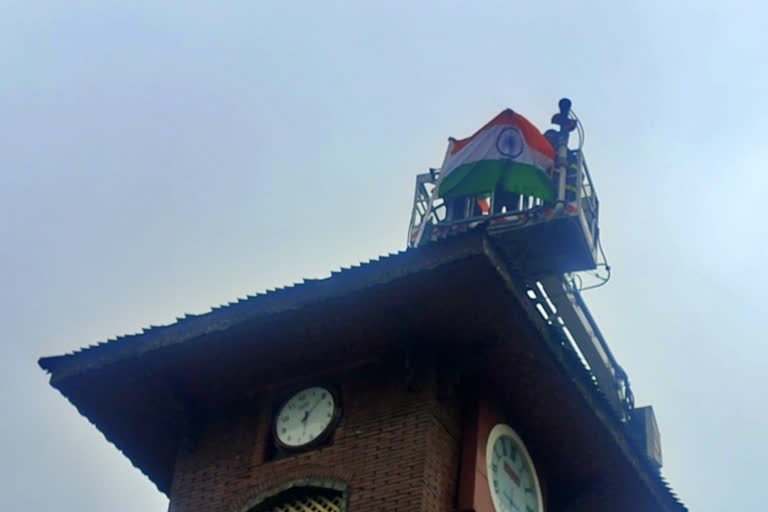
140	390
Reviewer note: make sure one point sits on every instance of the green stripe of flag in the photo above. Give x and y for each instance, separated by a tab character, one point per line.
481	177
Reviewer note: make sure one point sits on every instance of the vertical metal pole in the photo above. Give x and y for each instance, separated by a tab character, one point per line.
561	151
580	183
414	212
432	196
562	169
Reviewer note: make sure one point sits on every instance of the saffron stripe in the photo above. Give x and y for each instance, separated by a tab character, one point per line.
532	135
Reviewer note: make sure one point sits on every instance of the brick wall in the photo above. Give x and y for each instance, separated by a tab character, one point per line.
395	449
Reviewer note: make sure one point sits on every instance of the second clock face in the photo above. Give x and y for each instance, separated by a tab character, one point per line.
512	478
305	417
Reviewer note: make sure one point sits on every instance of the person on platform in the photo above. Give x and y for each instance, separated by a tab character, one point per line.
572	167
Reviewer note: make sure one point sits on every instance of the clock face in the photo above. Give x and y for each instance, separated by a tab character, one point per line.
305	418
512	478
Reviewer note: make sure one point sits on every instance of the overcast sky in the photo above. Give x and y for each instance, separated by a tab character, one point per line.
159	158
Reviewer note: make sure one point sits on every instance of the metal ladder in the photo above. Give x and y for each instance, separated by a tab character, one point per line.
561	306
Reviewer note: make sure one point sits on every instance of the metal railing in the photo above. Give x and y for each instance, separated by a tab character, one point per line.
560	304
577	197
588	202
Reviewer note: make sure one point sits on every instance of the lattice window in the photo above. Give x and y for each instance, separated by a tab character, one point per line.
304	500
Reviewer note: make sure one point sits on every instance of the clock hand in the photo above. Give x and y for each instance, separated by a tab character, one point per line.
312	409
512	474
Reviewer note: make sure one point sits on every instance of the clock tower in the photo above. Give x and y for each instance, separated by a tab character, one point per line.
456	376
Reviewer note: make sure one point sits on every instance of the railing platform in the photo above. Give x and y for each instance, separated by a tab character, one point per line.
538	240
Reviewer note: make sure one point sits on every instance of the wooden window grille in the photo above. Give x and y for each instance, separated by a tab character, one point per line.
304	500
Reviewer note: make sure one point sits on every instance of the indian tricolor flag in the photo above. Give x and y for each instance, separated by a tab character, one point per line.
508	151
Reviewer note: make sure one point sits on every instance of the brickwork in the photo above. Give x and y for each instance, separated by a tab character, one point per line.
395	449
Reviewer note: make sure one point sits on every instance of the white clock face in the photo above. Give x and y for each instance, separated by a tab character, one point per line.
304	417
512	478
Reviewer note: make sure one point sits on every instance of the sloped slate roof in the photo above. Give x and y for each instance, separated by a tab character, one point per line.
69	371
344	281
